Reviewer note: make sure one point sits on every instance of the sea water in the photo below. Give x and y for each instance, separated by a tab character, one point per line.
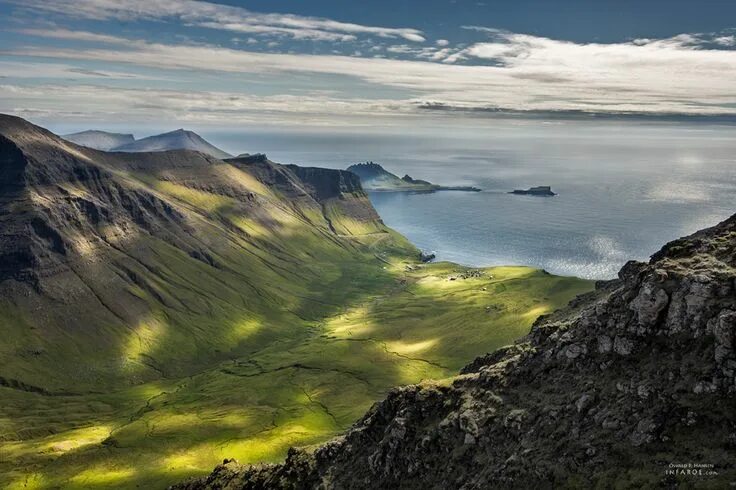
624	187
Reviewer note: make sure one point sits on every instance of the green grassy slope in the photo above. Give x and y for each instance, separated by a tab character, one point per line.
297	391
171	310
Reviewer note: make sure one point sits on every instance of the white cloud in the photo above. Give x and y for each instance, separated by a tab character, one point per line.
440	54
70	35
217	16
400	49
511	71
92	102
725	40
442	42
427	53
32	70
491	30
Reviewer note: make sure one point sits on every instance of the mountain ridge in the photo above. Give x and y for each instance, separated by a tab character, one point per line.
67	209
179	139
99	140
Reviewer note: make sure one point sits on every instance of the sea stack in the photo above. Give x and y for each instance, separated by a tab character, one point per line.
542	190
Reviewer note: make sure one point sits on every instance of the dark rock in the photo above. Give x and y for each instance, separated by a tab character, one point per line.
426	256
543	190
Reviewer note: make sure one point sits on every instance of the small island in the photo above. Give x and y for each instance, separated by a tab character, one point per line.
375	178
542	190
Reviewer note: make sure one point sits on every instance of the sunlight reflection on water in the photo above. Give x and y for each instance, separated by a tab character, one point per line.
624	188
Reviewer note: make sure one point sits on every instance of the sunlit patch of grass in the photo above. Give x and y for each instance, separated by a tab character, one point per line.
146	338
410	348
309	428
251	226
29	481
206	201
56	444
242	329
78	438
102	476
536	312
237	176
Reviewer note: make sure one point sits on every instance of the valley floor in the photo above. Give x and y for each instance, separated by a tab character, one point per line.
426	324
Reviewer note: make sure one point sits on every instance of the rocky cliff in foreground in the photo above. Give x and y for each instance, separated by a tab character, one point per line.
632	386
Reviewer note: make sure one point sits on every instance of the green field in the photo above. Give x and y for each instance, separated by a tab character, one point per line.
296	391
206	310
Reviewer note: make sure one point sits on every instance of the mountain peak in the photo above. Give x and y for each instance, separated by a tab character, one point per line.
99	140
179	139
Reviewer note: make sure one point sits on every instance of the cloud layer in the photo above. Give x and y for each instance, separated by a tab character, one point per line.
391	71
519	72
217	16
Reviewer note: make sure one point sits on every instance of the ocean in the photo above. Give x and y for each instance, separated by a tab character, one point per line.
624	187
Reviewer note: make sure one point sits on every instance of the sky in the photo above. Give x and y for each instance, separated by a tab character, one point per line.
345	64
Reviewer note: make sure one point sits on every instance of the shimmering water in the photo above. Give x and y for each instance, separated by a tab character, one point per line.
624	189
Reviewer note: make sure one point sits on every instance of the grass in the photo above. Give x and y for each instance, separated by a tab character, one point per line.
297	391
286	340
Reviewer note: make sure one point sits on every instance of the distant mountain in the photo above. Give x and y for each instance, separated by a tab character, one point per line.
99	140
374	177
180	139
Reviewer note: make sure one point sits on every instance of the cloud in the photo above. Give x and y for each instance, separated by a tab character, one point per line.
510	71
428	53
217	16
32	70
92	102
680	69
725	40
442	42
401	49
491	30
70	35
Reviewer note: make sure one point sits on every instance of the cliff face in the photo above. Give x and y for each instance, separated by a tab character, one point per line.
618	389
339	193
96	247
375	178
